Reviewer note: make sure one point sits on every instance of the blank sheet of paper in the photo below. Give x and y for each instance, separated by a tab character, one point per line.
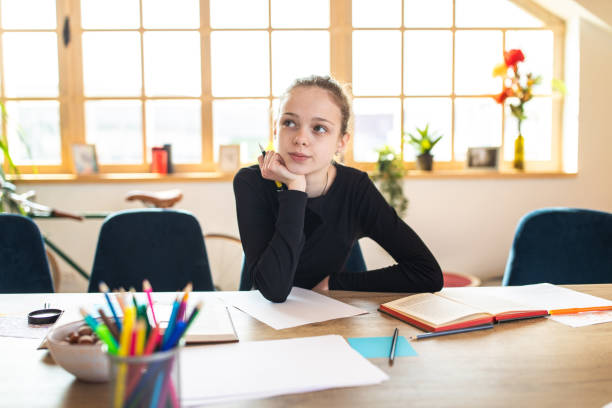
224	372
303	306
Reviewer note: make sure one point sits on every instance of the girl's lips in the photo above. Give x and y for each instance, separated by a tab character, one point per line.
298	157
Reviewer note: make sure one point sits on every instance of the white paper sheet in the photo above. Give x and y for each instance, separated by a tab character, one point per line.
217	373
11	326
541	296
583	319
303	306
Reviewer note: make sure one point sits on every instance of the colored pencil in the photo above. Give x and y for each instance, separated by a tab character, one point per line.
101	331
104	289
147	288
172	321
183	306
579	310
124	347
109	324
444	333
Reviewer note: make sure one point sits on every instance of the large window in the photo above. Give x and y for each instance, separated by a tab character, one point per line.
127	75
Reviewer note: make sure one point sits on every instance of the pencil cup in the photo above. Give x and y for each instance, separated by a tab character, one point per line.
146	381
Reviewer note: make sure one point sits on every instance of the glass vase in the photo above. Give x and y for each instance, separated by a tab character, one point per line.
519	153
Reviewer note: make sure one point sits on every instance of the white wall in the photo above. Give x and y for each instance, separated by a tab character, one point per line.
468	223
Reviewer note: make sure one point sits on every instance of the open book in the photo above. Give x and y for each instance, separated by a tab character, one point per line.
437	312
212	325
456	308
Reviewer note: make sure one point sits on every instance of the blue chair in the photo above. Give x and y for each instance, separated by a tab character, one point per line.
164	246
23	261
355	263
561	246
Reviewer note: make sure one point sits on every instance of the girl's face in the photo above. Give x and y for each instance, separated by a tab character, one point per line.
308	130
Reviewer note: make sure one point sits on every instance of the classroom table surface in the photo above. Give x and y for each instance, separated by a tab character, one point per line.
536	362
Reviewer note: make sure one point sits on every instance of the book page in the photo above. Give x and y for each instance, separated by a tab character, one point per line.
433	309
484	298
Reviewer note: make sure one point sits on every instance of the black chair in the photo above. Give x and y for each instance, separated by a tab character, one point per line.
354	263
561	246
23	262
164	246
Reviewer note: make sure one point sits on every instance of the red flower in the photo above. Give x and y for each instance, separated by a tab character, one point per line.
505	93
512	57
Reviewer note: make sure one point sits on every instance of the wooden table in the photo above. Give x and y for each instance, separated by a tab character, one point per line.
529	363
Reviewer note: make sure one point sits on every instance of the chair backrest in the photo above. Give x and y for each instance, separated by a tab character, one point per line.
164	246
23	262
561	246
354	263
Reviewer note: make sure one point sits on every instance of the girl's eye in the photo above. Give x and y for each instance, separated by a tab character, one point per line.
319	129
288	123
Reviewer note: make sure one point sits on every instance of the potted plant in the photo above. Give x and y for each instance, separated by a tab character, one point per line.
389	176
423	143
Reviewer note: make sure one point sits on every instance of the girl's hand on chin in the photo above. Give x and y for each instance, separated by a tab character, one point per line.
273	168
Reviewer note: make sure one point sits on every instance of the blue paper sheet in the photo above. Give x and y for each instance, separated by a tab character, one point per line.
373	347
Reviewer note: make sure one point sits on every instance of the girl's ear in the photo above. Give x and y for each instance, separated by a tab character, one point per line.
342	142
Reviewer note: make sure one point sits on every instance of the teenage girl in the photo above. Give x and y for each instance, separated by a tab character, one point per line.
302	234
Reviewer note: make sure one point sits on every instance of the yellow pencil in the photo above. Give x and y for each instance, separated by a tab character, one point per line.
140	336
124	347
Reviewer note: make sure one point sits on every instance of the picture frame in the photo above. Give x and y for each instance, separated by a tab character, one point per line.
483	158
229	158
84	159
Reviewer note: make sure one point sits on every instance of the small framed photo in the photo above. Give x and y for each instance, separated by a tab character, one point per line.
84	159
484	158
229	158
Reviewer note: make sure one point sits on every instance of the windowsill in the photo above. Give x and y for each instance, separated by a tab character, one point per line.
216	176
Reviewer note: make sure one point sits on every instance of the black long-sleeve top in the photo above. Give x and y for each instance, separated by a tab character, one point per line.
292	240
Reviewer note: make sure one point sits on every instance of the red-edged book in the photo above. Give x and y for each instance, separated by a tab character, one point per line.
451	310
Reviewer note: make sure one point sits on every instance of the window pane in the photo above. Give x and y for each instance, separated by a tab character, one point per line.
253	13
536	129
111	64
477	124
430	13
476	53
377	123
377	63
437	112
300	13
381	13
31	73
428	62
244	122
245	70
492	13
110	13
178	123
34	132
297	54
537	46
172	63
170	14
18	14
115	127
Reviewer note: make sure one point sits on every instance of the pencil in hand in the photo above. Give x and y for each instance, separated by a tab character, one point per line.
263	153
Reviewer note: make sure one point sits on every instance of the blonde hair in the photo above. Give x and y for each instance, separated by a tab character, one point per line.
337	91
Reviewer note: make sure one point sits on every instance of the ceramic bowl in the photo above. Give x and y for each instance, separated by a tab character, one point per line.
86	362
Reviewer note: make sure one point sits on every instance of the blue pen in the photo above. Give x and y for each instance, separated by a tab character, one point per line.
104	289
171	323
